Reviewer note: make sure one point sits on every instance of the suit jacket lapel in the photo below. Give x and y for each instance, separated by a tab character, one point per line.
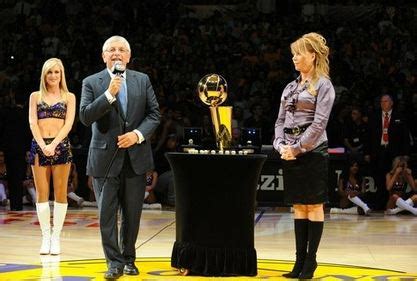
104	84
130	84
104	80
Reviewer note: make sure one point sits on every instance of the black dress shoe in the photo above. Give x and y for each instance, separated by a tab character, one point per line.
131	269
113	273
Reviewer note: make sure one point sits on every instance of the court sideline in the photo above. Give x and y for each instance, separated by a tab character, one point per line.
353	246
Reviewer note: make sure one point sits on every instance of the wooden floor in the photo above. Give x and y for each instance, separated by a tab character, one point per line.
377	241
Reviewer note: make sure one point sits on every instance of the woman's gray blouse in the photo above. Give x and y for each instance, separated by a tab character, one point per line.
300	108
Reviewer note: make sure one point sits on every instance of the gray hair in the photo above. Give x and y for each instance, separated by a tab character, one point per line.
116	38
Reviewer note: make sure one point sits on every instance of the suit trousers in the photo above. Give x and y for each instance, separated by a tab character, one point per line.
16	168
382	165
120	196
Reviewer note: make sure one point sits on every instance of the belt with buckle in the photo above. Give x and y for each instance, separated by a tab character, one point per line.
296	130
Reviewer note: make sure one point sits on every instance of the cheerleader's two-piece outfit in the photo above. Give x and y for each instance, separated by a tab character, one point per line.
63	154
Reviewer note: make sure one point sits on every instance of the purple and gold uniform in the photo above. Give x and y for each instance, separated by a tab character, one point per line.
63	152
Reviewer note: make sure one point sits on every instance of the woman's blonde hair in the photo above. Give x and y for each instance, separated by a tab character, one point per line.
314	43
48	65
397	162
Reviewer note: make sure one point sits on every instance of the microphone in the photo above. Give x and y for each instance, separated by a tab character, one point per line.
118	68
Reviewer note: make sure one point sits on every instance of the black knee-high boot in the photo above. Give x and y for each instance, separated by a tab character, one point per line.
315	230
301	238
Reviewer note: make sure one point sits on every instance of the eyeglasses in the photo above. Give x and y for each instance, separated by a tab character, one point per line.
120	50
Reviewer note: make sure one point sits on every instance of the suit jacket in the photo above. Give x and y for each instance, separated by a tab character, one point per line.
15	134
398	134
108	122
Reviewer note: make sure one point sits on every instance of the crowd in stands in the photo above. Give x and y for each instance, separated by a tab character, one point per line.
247	42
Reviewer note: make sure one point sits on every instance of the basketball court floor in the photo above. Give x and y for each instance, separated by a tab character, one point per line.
377	247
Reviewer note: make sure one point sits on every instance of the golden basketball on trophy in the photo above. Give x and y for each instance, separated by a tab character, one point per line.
212	90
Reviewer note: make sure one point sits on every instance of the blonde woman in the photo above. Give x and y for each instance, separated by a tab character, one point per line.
397	181
51	115
301	139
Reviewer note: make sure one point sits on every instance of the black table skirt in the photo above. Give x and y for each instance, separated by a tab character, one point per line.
215	209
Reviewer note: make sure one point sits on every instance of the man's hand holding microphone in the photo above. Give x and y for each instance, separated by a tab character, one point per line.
117	80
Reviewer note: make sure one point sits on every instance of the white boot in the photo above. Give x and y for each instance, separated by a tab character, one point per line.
3	196
76	198
393	211
60	210
44	217
32	193
404	205
349	211
357	201
396	210
2	192
409	202
89	204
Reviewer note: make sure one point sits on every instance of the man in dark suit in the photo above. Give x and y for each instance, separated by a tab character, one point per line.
14	130
121	106
389	137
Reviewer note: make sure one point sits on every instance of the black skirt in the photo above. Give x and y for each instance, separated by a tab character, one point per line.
306	178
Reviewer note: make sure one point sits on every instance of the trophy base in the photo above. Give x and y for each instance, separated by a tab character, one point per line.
241	151
187	148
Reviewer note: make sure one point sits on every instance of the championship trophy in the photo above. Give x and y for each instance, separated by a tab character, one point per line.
212	90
